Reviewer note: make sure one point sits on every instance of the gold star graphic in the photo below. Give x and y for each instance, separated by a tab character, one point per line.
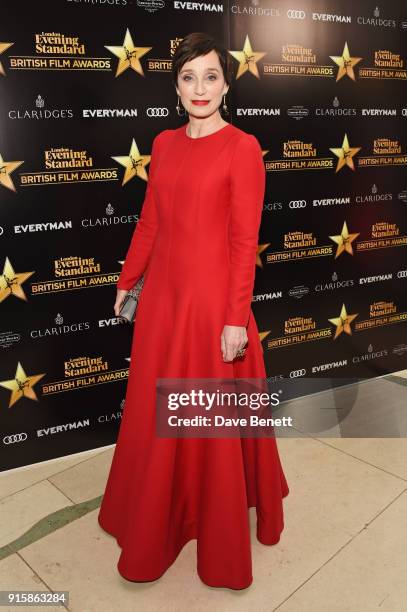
262	335
247	59
344	241
4	47
346	64
21	385
10	282
6	168
129	55
345	155
134	163
343	322
260	249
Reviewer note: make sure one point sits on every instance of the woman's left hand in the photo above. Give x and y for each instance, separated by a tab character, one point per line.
233	338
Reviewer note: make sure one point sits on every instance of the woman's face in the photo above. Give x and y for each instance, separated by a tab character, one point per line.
201	80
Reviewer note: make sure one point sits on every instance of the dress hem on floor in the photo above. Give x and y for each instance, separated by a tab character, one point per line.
191	535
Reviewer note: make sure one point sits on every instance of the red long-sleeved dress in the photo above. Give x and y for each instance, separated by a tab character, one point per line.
195	242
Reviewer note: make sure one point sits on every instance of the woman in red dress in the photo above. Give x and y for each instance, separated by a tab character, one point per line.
195	243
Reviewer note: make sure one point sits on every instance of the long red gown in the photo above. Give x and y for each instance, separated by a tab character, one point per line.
195	242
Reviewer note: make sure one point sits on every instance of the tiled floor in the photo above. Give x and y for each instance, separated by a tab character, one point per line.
343	547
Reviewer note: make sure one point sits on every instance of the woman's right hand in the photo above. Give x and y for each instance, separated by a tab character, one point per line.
121	294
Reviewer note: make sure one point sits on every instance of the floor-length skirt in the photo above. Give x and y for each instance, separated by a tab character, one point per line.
163	492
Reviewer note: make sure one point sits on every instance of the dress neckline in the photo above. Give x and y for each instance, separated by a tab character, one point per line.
208	135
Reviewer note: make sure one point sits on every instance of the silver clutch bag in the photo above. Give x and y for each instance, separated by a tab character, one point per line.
129	304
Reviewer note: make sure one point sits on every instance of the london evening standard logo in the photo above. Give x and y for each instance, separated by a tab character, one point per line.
387	64
84	372
385	152
70	274
381	313
64	165
300	329
297	60
79	373
58	51
73	273
305	328
300	155
298	245
383	235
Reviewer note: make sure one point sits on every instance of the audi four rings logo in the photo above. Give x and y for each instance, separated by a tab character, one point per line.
297	204
404	112
155	111
297	373
15	438
292	14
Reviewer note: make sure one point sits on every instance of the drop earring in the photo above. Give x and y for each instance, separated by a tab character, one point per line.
224	106
178	107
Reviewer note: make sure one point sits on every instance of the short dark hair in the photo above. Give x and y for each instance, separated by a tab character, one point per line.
196	44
